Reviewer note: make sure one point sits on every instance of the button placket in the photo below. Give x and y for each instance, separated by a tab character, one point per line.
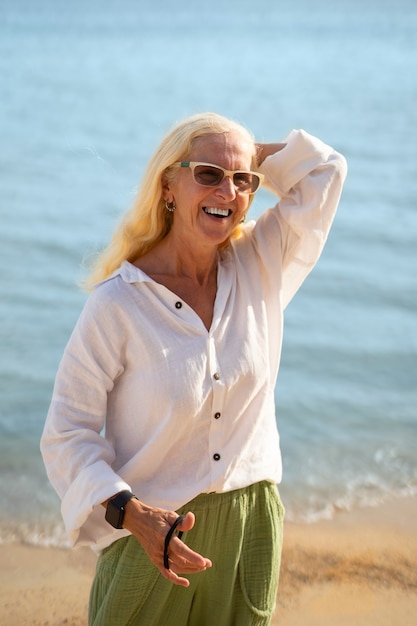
219	392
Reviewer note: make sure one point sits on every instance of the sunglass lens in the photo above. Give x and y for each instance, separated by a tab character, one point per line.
246	182
208	175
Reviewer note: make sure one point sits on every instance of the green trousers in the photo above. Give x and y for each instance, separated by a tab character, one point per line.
239	531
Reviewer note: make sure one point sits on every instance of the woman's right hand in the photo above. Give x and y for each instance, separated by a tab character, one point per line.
150	527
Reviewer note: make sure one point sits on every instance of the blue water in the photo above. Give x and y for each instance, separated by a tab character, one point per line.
89	89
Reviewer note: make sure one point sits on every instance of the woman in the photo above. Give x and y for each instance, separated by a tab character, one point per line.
162	419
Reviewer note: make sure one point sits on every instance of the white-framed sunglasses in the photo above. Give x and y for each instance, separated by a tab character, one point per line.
209	175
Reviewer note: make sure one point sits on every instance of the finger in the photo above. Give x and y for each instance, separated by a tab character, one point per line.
182	560
169	536
187	523
176	572
174	578
185	570
183	556
181	524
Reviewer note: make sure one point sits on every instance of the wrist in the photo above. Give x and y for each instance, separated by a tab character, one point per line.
264	150
116	508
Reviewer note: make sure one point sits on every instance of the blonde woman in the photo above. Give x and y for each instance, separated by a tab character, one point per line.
161	437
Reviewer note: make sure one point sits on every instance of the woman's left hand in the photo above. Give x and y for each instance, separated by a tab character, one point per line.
150	526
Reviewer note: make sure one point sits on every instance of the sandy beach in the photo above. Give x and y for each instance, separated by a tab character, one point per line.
356	569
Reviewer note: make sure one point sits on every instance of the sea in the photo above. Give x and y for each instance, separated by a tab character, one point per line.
87	91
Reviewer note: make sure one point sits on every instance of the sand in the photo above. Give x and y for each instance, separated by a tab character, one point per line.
359	569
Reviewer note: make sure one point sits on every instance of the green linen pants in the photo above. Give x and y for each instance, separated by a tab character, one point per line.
240	531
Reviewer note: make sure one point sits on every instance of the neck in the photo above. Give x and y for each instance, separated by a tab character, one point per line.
179	259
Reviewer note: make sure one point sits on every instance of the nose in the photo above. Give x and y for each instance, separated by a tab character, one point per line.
227	189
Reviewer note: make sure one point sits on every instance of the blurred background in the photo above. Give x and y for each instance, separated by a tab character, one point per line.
87	91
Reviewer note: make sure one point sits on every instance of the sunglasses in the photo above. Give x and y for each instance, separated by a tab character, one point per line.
209	175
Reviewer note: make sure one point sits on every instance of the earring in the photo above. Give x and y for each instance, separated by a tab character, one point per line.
170	206
243	219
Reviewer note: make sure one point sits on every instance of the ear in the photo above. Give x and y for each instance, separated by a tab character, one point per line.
166	188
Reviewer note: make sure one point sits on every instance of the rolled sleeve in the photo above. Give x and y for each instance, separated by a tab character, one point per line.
308	177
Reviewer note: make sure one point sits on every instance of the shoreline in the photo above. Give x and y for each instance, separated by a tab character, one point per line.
358	567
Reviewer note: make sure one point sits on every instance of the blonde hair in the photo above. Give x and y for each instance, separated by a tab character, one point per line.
148	221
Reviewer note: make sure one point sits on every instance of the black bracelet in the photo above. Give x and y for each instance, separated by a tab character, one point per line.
168	538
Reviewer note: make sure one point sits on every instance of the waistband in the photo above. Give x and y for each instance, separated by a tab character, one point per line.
216	499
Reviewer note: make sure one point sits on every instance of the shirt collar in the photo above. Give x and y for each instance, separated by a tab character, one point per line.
129	273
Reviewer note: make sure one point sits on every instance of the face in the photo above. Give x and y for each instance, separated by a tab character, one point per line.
208	215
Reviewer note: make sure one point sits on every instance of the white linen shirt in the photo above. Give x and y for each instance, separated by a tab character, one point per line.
146	398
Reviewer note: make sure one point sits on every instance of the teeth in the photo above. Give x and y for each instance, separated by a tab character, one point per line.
213	210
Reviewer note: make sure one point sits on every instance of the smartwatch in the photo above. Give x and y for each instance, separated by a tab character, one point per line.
115	510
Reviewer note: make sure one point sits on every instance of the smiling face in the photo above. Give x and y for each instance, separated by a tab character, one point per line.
207	216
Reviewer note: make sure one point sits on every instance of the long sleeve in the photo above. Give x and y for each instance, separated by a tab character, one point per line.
78	459
308	177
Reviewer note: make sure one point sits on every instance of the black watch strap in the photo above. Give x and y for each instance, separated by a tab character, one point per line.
115	510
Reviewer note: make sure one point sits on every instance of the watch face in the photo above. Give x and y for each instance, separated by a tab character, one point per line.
114	515
115	511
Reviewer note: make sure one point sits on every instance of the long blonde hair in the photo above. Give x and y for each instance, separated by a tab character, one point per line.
148	221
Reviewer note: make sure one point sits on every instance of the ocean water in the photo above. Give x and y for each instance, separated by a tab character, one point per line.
89	89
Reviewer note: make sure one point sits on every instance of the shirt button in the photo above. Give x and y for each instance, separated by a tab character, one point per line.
217	416
216	457
178	305
216	376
